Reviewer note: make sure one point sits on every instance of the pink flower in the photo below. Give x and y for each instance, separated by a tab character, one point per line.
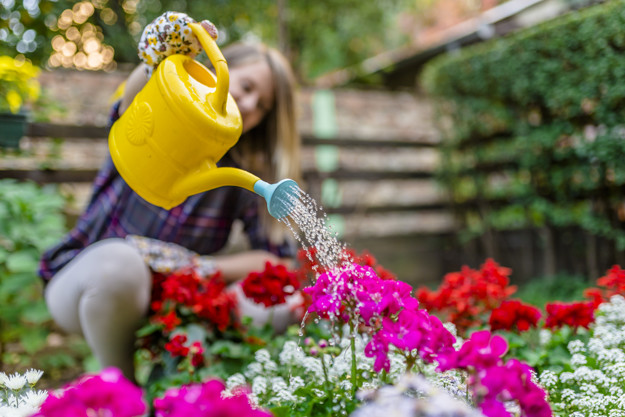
204	400
107	393
481	351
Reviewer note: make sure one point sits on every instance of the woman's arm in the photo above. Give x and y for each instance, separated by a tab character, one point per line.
237	266
136	81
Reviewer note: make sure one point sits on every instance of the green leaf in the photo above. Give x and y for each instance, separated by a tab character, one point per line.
22	262
33	339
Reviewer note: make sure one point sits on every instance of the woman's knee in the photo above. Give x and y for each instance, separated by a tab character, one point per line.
118	269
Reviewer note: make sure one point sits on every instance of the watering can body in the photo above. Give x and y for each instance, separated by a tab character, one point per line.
167	143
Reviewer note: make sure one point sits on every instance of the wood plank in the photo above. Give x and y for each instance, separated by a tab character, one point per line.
52	130
49	176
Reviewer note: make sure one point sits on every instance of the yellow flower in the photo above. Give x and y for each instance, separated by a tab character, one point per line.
18	83
14	100
173	17
152	40
177	27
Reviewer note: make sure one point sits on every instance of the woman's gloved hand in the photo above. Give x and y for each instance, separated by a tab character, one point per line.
170	34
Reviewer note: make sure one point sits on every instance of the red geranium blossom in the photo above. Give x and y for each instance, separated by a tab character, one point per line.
271	286
208	298
513	314
612	283
576	314
465	297
176	346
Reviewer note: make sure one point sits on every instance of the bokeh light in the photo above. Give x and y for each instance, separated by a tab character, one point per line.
79	43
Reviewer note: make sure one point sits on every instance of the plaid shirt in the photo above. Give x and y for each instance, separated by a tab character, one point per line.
202	223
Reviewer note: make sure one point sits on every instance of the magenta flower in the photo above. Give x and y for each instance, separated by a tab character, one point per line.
204	400
107	393
481	351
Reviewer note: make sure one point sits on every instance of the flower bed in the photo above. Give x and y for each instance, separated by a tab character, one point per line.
368	345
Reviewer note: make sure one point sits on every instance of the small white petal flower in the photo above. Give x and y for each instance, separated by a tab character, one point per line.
15	382
33	376
234	381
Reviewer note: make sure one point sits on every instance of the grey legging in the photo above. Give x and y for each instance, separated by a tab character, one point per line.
104	294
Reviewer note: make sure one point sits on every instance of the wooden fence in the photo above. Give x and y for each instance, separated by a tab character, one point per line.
404	225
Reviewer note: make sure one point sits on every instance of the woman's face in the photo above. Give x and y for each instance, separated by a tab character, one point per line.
251	86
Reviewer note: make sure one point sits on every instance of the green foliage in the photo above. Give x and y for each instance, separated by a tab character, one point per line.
537	123
320	36
30	221
542	290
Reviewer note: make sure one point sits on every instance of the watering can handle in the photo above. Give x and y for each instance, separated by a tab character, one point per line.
219	98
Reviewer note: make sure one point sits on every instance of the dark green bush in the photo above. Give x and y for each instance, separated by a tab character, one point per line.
538	119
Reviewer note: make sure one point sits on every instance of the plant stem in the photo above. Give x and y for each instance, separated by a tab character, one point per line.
354	368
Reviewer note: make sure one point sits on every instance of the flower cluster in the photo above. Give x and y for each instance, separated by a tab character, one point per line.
574	315
271	286
177	347
107	393
493	381
318	372
466	297
412	396
186	292
593	383
612	283
205	400
356	295
18	83
18	396
514	315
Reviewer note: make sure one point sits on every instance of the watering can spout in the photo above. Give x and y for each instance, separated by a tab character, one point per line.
280	197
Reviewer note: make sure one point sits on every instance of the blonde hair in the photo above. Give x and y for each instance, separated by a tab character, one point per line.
271	149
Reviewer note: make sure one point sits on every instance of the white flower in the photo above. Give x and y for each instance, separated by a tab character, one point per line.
253	369
3	378
262	356
548	379
15	382
33	376
234	381
576	346
259	385
34	399
291	354
544	336
270	366
578	359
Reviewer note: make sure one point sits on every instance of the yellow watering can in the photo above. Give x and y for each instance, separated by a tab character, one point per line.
167	143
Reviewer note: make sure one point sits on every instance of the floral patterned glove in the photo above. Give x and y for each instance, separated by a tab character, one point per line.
170	34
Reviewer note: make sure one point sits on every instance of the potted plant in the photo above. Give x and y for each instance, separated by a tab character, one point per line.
18	86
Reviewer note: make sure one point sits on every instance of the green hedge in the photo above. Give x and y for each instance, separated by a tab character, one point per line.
547	105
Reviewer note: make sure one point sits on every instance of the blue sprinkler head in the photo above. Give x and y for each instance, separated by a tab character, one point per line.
280	196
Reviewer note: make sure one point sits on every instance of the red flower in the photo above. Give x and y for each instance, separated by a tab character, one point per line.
576	314
611	284
513	313
169	320
271	286
176	346
466	297
197	354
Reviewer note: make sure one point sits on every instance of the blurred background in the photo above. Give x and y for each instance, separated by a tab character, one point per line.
393	163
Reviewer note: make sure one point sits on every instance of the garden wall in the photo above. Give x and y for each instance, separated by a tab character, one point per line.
533	140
